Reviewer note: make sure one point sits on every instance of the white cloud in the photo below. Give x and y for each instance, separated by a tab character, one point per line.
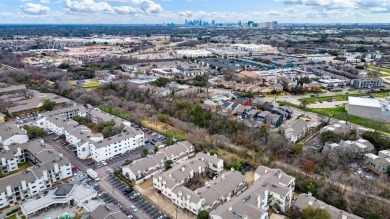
45	1
34	9
126	10
88	6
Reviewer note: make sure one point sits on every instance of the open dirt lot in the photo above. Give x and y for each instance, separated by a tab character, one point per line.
162	203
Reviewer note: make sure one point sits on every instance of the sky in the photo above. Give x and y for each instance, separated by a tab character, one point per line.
176	11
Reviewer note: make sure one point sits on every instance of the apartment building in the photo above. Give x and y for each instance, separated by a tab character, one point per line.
12	89
272	187
307	200
378	163
281	186
89	144
172	183
145	168
67	113
251	204
358	147
49	167
11	134
366	82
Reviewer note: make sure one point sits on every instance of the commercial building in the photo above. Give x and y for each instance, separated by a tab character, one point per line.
193	53
369	108
49	167
93	145
142	169
378	163
307	200
65	194
107	211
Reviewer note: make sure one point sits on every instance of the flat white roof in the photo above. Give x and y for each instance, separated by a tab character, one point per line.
369	102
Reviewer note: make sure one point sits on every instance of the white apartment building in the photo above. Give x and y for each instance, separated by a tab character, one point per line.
49	167
359	147
11	134
172	183
93	145
281	186
251	204
143	169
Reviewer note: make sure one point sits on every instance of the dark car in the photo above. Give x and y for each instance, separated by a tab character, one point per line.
91	162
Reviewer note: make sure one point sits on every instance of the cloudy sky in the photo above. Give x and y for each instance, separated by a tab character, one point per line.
160	11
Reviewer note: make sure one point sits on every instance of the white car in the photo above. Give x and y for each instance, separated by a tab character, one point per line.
133	208
104	163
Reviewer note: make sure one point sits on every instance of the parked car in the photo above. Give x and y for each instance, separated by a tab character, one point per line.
104	163
133	208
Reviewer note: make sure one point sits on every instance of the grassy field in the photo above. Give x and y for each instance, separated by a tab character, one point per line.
379	69
165	129
343	97
116	112
341	114
22	167
88	84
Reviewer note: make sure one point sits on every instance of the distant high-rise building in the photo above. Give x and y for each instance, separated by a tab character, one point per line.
274	24
213	22
186	22
250	23
239	23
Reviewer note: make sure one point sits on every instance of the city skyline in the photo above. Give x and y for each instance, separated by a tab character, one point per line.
176	11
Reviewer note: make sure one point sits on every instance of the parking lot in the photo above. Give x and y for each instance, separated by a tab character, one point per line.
108	199
139	202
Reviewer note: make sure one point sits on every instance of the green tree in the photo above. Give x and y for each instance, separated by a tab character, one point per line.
311	187
48	105
168	164
155	149
64	66
329	136
163	118
144	152
379	140
314	213
161	82
34	132
203	214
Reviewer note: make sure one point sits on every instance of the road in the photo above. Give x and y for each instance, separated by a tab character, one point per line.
104	185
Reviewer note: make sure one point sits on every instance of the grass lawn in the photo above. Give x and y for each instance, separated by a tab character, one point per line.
160	127
88	84
116	112
122	178
12	217
22	167
165	129
379	69
341	114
